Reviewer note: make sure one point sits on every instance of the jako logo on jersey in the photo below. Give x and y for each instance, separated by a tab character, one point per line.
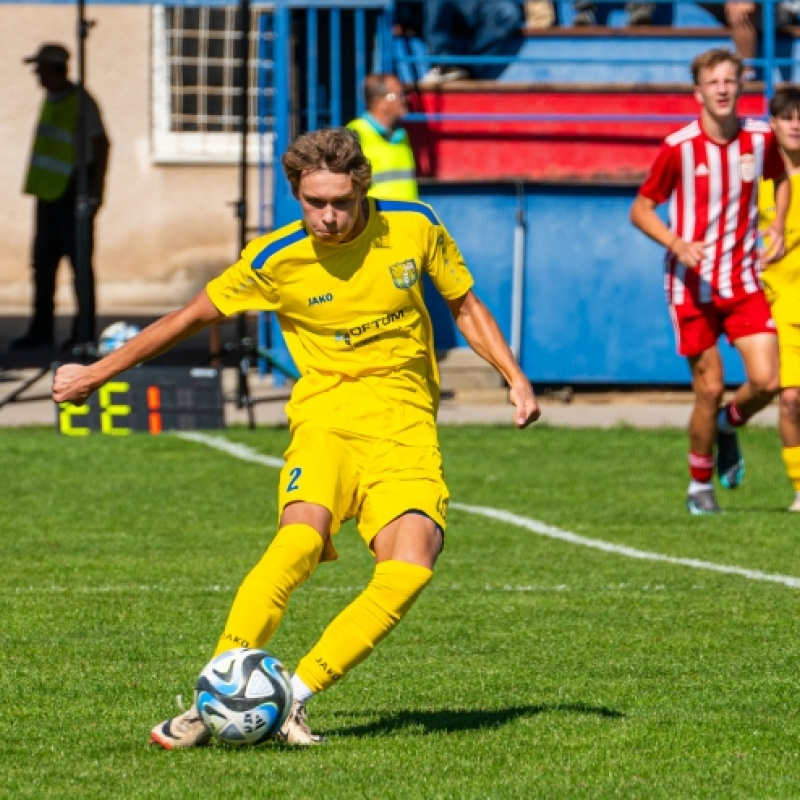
405	274
323	298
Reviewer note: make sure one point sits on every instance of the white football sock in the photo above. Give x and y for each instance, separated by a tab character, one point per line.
697	486
300	691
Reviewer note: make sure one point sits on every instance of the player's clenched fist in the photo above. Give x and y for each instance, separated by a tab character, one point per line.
524	401
72	384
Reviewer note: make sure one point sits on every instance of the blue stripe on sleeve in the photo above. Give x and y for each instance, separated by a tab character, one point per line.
277	246
406	205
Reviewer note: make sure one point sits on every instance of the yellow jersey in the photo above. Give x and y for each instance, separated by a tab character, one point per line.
354	317
781	279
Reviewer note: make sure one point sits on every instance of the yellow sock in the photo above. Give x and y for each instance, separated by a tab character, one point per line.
352	636
264	594
791	460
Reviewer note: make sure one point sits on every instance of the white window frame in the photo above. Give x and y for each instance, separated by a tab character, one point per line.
191	147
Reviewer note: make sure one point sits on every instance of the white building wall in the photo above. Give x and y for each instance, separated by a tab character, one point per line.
164	229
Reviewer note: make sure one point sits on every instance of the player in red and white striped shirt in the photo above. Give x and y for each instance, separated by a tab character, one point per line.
709	172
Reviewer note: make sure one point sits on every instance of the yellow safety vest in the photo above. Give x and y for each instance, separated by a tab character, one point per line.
393	168
53	157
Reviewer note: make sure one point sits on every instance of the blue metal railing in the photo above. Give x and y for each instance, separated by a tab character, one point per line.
414	60
323	51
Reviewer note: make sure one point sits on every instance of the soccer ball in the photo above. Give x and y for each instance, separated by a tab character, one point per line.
114	336
243	696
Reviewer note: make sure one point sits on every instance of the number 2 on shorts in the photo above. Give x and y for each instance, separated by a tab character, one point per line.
294	476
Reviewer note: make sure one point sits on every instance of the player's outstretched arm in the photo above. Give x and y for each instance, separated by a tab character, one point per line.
483	335
75	382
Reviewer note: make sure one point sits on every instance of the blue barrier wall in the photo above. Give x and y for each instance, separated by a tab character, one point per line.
594	309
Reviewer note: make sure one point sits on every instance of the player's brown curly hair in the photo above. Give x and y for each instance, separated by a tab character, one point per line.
711	58
334	149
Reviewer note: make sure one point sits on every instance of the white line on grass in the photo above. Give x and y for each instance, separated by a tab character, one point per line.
247	454
573	538
241	451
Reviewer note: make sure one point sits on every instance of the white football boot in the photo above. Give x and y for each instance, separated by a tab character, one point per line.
295	729
185	730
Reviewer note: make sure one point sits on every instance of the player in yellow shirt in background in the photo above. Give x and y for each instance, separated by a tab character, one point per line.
346	285
781	279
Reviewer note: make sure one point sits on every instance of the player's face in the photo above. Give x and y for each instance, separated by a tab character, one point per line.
718	89
787	131
331	206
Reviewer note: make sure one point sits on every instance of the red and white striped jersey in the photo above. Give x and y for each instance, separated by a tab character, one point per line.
712	190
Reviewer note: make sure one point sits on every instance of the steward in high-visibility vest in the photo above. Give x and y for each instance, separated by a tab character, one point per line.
389	152
54	152
66	175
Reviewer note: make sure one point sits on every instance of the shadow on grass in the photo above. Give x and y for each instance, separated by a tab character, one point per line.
450	721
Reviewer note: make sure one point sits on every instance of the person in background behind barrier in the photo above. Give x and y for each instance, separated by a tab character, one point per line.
408	18
383	141
539	14
586	13
470	28
709	171
744	20
52	174
781	278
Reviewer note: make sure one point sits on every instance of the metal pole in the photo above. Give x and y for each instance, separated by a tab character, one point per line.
768	34
246	345
84	330
518	275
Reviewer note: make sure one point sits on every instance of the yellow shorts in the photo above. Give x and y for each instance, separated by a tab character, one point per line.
789	348
374	480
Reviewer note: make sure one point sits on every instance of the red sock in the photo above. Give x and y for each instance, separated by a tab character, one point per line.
733	415
701	468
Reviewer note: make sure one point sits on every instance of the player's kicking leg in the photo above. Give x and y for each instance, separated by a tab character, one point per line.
254	617
405	551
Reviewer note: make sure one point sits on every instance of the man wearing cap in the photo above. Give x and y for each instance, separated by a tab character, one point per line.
60	149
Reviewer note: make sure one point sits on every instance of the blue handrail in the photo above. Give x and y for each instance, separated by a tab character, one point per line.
768	62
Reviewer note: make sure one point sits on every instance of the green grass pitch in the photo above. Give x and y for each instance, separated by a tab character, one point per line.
531	668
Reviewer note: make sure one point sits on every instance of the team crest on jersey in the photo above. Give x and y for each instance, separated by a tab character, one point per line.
747	167
405	274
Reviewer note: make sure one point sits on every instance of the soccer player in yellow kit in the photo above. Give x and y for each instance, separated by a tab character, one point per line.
781	279
346	285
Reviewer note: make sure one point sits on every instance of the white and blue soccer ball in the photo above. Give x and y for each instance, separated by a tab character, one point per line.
244	696
114	336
